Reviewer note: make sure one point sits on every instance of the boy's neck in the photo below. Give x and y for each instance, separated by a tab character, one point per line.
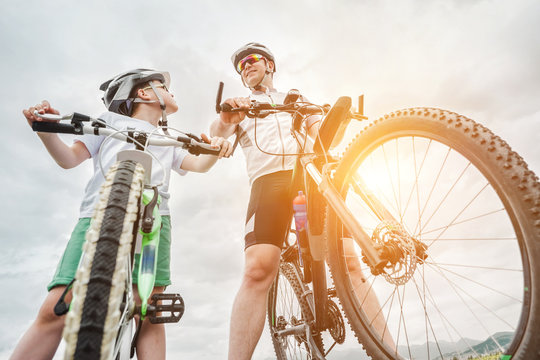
148	114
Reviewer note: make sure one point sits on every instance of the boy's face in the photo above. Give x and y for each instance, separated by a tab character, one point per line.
168	98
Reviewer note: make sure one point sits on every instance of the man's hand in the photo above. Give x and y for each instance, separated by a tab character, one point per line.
43	108
216	142
233	118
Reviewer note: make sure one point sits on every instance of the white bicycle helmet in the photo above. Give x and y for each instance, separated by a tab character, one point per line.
252	48
118	89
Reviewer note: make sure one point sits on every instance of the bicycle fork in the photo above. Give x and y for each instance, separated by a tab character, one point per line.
335	200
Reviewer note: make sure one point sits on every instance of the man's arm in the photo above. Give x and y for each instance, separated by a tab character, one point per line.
219	128
66	156
225	125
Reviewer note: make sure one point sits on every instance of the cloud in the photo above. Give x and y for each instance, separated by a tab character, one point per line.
477	58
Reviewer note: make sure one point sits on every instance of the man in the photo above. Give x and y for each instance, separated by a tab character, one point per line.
270	205
270	172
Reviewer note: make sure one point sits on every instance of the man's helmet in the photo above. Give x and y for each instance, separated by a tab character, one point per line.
252	48
118	89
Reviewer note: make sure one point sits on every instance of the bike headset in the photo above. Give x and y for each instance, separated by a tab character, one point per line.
253	48
117	91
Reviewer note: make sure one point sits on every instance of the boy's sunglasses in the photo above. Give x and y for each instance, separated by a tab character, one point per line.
161	85
250	59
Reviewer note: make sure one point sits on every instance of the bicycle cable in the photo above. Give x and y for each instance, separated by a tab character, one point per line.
135	141
303	143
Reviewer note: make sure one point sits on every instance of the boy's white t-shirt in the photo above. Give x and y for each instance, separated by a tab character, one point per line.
170	157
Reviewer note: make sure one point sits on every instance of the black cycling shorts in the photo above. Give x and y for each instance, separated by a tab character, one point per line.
270	209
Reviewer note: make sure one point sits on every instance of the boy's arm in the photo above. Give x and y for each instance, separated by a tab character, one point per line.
200	164
203	163
65	156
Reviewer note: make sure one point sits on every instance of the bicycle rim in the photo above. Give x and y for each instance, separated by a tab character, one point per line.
441	177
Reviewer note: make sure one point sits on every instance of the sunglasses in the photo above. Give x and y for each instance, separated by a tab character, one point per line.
161	85
250	59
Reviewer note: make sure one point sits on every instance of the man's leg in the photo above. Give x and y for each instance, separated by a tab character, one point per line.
364	292
249	308
41	340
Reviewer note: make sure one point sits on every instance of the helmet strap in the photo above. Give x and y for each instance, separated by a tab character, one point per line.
163	121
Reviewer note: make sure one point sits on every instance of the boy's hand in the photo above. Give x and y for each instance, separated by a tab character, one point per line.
43	108
216	142
233	118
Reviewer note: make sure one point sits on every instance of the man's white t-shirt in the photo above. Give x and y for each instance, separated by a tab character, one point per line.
170	157
272	135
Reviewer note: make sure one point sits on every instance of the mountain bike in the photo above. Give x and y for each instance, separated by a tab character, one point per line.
99	320
430	226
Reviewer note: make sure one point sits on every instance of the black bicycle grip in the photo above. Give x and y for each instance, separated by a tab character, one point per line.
54	127
226	107
206	149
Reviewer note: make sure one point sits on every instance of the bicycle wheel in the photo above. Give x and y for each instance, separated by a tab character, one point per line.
94	320
464	277
288	307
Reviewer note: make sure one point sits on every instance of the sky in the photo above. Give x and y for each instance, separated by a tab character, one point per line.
478	58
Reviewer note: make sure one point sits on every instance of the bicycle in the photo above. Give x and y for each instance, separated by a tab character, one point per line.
126	221
430	226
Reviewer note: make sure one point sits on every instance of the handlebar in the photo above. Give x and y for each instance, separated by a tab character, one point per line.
259	109
82	124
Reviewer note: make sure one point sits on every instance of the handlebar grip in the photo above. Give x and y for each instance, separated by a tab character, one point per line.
226	107
311	110
53	127
207	149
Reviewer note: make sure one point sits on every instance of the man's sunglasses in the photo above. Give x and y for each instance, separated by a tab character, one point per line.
250	59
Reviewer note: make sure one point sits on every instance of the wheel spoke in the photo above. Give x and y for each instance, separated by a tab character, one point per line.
445	197
446	204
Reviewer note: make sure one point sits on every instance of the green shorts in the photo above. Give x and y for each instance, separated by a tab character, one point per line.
65	272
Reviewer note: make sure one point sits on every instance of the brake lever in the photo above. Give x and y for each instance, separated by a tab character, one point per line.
53	117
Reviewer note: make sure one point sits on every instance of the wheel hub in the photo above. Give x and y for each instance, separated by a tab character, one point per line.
400	250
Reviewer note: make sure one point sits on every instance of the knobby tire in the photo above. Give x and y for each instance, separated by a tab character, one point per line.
481	278
286	301
92	324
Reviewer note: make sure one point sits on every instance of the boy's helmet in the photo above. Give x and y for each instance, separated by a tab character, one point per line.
118	89
251	48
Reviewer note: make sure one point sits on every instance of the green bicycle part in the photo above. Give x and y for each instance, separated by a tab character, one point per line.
149	253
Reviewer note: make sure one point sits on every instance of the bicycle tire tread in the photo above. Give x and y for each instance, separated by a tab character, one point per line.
89	330
516	175
290	275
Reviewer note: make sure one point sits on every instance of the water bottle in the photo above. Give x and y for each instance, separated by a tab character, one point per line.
300	211
300	221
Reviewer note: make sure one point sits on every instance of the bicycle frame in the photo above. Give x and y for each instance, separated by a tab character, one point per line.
321	191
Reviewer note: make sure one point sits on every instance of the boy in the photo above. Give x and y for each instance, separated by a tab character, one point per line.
137	99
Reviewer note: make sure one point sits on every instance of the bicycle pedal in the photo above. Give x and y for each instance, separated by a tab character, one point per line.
171	308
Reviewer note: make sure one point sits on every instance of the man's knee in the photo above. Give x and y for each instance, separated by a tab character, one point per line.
261	266
258	274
